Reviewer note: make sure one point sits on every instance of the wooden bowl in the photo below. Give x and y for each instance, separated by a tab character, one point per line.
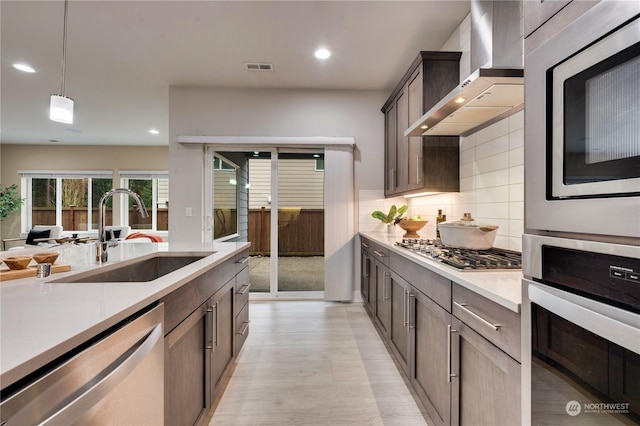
46	257
411	226
17	262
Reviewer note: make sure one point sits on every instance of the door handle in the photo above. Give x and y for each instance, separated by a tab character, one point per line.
208	323
463	306
409	310
385	288
449	373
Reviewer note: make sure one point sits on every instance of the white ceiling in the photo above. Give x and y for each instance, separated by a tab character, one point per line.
122	56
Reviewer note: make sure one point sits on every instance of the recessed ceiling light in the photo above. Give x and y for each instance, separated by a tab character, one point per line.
424	127
24	68
154	132
322	53
460	100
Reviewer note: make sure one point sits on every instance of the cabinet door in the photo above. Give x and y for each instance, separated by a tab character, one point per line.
430	365
223	333
391	154
382	297
186	392
402	142
414	159
486	386
365	263
399	330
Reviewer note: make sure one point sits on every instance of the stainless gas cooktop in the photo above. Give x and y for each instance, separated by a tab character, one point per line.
463	259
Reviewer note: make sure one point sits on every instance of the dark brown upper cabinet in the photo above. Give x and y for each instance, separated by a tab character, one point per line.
421	163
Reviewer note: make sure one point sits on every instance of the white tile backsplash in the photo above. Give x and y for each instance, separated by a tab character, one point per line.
491	183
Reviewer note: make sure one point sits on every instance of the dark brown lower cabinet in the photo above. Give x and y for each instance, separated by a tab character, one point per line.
365	287
186	369
400	329
222	332
430	364
486	385
460	353
202	322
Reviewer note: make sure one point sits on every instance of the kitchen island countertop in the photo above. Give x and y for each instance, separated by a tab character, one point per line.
40	321
500	286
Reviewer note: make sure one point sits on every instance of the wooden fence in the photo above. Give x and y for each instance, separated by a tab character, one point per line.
301	232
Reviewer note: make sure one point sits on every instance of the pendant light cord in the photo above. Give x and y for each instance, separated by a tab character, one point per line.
64	46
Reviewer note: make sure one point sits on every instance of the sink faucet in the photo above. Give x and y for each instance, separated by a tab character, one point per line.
101	249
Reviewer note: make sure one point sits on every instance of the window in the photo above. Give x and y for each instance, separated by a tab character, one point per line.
153	189
64	199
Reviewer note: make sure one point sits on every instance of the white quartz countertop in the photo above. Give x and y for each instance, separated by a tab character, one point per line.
39	320
502	287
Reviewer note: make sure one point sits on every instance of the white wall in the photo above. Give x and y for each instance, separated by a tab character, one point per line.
195	111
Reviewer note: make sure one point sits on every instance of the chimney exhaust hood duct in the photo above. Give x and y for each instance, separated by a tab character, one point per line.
496	88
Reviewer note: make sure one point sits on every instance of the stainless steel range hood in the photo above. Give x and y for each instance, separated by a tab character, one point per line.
496	88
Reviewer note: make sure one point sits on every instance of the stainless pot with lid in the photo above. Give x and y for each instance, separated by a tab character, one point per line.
467	233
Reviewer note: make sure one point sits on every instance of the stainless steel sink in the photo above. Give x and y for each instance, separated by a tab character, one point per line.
144	269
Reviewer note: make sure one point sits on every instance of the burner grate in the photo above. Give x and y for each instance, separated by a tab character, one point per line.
464	259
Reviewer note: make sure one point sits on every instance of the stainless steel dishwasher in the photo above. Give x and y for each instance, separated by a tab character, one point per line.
116	378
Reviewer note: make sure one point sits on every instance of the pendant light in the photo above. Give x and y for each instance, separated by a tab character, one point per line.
61	107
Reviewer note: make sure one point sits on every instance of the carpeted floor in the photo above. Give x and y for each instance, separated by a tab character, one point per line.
294	273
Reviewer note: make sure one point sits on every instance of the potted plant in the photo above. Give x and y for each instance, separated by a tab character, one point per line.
9	200
391	218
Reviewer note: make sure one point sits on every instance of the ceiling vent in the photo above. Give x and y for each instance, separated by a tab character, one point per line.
258	66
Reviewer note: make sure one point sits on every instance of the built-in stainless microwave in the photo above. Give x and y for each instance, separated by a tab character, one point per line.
582	125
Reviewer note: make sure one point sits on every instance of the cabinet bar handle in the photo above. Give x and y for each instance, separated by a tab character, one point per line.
449	373
215	341
365	245
387	279
243	290
409	310
209	327
418	167
245	327
379	254
463	306
404	307
243	260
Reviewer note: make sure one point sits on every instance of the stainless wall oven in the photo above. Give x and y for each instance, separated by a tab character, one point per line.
581	324
582	127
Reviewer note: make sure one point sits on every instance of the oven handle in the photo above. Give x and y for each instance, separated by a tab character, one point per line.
616	325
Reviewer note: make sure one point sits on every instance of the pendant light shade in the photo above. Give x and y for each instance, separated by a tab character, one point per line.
61	109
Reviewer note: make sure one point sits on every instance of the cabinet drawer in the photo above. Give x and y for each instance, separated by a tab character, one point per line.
241	260
381	254
366	244
242	328
496	323
242	290
432	285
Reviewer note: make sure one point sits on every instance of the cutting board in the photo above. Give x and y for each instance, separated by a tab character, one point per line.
7	274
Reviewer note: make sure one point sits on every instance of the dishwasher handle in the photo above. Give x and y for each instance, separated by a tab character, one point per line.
100	385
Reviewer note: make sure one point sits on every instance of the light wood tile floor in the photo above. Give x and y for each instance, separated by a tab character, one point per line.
315	363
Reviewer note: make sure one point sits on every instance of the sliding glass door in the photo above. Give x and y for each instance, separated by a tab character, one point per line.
300	192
